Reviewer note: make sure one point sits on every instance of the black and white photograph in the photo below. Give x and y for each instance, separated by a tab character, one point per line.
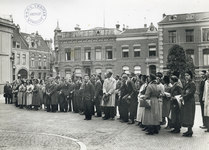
104	74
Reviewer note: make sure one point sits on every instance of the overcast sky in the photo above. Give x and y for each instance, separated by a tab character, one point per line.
91	13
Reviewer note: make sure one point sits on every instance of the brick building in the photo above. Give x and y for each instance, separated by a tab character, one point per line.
137	50
191	31
85	51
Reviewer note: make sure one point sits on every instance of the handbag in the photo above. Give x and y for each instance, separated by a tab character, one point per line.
145	103
106	98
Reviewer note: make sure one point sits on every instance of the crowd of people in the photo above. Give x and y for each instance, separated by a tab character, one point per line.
167	100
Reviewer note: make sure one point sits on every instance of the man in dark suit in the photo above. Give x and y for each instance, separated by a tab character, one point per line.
129	99
71	88
97	96
201	90
87	96
64	94
7	93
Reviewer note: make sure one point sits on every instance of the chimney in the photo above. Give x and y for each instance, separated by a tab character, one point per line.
164	15
145	25
124	27
77	28
37	33
18	28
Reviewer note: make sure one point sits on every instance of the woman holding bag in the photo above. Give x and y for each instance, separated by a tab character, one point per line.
152	114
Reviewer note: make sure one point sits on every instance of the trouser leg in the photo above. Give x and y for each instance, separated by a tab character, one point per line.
202	112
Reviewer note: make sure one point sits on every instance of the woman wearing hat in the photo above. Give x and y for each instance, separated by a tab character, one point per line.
188	104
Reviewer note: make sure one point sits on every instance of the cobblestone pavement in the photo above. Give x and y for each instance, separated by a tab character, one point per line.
29	129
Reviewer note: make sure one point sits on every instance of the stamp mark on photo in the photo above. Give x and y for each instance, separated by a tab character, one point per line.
35	14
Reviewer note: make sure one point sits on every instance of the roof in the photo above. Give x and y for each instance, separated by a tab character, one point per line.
187	17
136	30
39	41
18	38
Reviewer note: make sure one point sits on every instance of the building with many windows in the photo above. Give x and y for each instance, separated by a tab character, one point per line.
20	55
85	51
6	34
191	31
39	55
137	50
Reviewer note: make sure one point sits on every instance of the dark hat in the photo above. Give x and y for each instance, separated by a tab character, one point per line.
204	71
124	76
159	74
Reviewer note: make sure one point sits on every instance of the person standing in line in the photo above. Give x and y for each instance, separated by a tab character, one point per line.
21	90
166	100
97	96
87	96
117	100
64	94
36	95
152	115
109	87
77	95
205	99
15	89
175	90
71	94
29	94
188	107
6	92
201	90
140	110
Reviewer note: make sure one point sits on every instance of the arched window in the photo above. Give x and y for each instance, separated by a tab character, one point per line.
152	69
126	69
137	69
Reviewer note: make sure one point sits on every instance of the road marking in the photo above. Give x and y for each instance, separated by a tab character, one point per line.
82	145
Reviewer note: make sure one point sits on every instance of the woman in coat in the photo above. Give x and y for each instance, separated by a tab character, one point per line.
140	110
29	94
188	107
206	103
175	107
36	95
20	95
166	100
152	115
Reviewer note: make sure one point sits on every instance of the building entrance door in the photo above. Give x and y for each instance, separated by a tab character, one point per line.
23	74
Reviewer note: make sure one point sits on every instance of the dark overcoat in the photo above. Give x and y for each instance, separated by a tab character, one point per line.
188	109
36	96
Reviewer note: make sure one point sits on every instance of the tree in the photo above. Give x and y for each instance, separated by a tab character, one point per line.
178	61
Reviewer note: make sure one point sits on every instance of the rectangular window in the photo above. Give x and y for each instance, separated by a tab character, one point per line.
98	54
109	54
152	50
39	63
39	75
205	34
77	53
68	73
78	72
189	35
206	59
172	36
16	44
32	62
88	55
137	51
68	55
125	52
44	62
18	58
24	59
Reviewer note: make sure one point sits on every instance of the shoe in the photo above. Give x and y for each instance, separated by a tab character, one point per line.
141	126
167	128
177	131
172	131
156	131
85	119
149	133
131	122
207	130
203	127
145	129
188	134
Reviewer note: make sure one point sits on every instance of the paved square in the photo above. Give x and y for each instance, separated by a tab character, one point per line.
29	129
